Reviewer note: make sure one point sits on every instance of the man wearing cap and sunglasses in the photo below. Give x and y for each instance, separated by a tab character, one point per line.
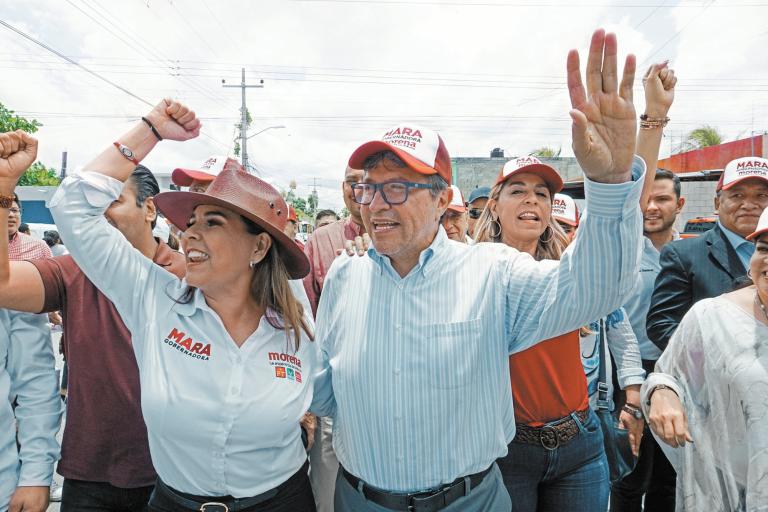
199	179
416	336
478	198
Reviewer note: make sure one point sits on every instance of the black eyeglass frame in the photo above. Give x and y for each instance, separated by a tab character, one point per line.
379	187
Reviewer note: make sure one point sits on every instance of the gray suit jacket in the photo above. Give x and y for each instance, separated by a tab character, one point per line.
691	269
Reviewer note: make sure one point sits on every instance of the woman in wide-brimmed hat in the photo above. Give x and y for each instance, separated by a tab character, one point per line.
226	356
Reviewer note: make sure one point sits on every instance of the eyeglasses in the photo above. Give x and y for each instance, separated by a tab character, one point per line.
393	192
474	213
14	211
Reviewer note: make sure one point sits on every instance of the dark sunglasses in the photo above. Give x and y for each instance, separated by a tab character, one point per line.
474	213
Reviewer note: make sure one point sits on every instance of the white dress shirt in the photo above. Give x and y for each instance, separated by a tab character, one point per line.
221	420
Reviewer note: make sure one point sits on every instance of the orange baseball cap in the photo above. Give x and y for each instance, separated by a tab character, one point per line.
565	210
292	214
457	201
207	172
422	149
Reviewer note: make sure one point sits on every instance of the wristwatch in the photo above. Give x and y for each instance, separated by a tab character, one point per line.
126	152
633	411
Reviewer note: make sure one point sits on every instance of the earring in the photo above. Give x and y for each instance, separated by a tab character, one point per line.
495	223
253	264
551	235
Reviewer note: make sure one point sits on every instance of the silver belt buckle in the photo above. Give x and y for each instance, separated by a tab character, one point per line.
222	507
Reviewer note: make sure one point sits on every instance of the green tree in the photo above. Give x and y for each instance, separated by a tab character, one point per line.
38	174
546	152
312	201
248	121
10	122
701	137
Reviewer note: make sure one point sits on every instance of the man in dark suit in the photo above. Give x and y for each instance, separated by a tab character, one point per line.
708	266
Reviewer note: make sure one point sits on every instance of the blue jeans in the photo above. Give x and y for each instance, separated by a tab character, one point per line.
572	477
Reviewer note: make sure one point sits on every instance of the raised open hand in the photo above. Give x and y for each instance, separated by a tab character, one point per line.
604	120
18	150
659	85
174	120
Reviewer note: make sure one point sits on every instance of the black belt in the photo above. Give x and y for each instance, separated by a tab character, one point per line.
426	501
222	503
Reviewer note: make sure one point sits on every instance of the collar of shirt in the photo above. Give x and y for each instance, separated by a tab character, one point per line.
735	240
425	258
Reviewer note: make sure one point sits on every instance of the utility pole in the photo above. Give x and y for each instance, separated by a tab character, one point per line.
63	173
243	117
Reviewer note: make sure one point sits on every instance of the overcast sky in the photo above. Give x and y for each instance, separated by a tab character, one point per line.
484	73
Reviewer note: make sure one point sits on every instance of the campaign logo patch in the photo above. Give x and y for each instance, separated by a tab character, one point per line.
286	366
187	346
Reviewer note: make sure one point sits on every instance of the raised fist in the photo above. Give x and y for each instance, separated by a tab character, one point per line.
174	121
18	150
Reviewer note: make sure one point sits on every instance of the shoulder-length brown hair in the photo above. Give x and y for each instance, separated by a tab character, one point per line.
551	244
270	289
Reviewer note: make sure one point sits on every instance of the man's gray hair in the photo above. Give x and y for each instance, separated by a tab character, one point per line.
437	181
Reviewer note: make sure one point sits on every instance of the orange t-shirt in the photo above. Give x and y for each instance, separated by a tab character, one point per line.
548	381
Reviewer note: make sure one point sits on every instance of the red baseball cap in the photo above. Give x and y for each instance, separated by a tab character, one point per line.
207	172
742	169
292	214
532	165
422	149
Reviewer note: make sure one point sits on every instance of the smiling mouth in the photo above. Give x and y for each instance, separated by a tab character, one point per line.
528	216
195	256
384	226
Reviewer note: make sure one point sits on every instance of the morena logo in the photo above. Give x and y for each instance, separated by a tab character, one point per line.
180	341
278	356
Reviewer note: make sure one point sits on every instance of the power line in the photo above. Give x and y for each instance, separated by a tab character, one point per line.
677	34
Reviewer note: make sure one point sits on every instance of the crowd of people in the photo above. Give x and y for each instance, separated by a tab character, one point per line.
428	352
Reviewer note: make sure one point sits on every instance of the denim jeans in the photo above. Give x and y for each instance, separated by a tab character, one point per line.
82	496
571	477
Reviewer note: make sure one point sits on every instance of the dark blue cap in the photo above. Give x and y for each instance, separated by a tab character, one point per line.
478	193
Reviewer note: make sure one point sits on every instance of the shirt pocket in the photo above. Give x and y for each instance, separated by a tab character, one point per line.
449	352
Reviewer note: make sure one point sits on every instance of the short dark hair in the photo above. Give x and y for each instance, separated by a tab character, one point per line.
325	213
24	228
16	200
663	174
145	185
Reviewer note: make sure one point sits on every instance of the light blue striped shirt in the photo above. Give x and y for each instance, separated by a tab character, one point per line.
416	369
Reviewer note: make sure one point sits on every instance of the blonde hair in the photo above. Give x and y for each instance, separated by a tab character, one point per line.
551	243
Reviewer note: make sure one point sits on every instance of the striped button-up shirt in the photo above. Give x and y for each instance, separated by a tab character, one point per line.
416	369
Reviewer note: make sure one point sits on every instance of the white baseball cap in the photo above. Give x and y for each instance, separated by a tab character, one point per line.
457	201
564	210
742	169
207	171
762	226
422	149
531	164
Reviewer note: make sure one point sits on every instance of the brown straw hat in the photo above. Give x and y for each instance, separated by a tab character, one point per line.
247	195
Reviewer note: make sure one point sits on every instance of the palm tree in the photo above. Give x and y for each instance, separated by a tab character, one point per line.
546	152
702	137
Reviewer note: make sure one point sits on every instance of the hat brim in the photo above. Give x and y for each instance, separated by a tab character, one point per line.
185	177
358	158
565	221
178	207
757	234
548	174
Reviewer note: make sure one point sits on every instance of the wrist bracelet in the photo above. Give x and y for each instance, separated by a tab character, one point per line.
6	201
152	127
649	123
655	389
